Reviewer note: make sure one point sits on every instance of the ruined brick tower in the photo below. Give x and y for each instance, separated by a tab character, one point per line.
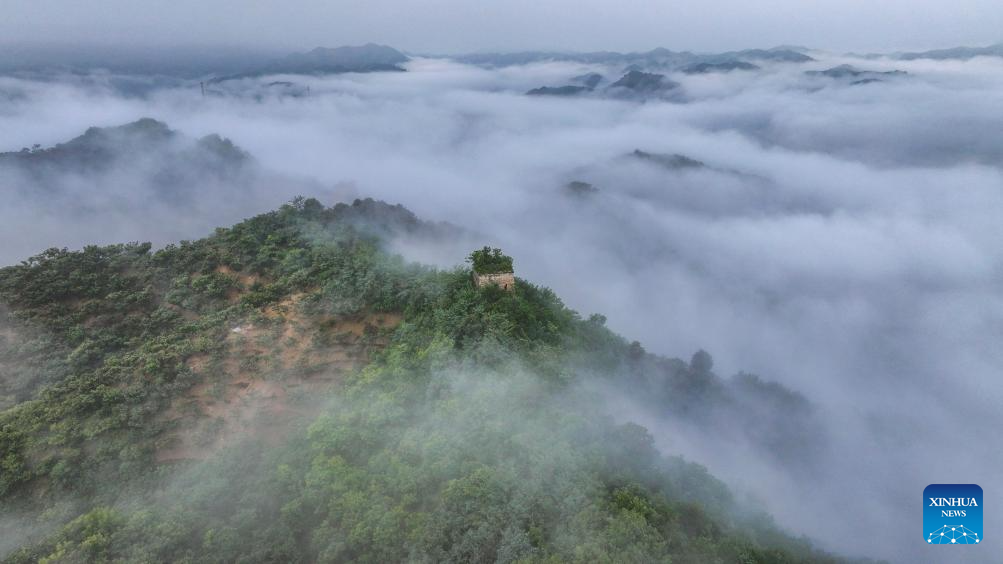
504	280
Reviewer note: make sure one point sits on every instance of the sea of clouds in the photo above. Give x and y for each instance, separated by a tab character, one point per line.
843	240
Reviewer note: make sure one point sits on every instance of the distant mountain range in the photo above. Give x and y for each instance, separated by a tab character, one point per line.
220	64
364	58
178	62
659	58
707	68
634	83
639	79
956	53
856	76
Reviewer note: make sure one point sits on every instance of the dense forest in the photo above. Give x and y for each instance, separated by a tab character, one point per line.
288	390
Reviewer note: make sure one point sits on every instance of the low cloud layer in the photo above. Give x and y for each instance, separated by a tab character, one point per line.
840	239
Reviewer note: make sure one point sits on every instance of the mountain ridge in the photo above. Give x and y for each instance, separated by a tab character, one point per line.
330	60
128	345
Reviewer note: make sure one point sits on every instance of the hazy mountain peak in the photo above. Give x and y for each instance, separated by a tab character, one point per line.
670	161
143	130
370	57
727	66
959	53
850	71
639	81
348	55
348	58
160	156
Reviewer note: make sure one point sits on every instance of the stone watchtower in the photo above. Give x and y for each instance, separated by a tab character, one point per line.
491	267
504	280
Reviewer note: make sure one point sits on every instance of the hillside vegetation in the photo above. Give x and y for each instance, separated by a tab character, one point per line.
287	390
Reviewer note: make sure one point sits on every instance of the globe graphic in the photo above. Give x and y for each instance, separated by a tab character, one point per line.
953	534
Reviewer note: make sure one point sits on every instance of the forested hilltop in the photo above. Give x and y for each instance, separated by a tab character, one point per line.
288	390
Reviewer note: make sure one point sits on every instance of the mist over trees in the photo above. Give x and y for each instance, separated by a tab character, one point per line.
468	435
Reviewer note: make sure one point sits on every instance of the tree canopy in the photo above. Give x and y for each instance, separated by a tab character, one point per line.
490	261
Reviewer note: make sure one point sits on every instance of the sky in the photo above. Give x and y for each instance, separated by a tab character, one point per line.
449	26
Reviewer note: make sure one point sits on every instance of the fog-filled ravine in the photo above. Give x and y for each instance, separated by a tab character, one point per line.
827	227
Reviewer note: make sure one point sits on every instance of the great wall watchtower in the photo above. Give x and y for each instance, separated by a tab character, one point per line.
504	280
491	267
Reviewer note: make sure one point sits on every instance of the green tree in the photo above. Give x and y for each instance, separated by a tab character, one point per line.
490	261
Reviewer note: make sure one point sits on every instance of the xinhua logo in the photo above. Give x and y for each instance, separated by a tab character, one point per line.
952	514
